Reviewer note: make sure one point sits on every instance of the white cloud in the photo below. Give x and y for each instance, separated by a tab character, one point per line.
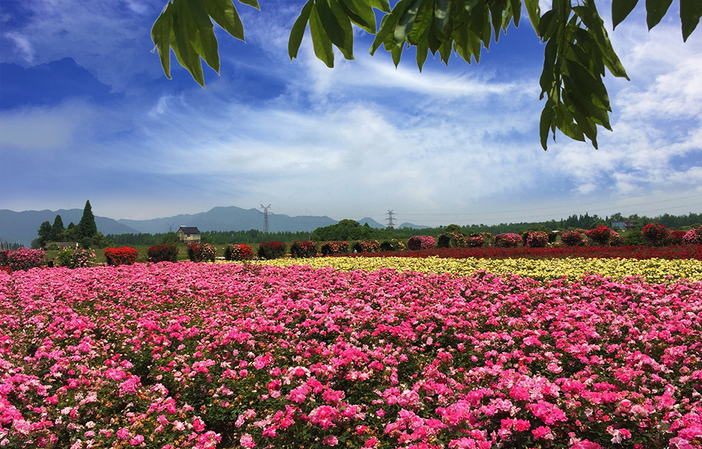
41	128
24	47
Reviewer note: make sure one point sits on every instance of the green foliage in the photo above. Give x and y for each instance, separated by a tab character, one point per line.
577	50
271	250
75	258
170	238
86	226
634	238
57	229
44	233
163	253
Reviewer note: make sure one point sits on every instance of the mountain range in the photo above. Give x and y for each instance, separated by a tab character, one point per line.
22	227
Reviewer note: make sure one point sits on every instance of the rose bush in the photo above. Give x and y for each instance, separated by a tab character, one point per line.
693	236
240	252
75	258
124	255
509	240
573	238
655	234
420	242
303	249
163	253
271	250
332	248
201	252
22	259
600	234
536	239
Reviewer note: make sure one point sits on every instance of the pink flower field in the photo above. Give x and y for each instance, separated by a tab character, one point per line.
200	355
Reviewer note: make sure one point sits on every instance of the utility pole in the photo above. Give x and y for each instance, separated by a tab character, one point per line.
265	216
391	223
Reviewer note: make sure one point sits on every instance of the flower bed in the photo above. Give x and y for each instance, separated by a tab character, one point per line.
622	252
22	259
186	355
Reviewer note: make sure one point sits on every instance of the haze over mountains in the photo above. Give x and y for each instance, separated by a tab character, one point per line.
21	227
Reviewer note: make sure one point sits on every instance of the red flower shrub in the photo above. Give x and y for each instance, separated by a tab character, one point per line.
536	239
475	241
573	238
6	269
655	234
509	240
271	250
303	249
333	248
600	235
419	242
163	253
676	237
366	246
238	252
615	239
201	252
451	240
124	255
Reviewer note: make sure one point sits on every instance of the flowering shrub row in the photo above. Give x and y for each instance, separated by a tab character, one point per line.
271	250
187	355
536	239
693	236
124	255
509	240
655	233
163	253
238	252
22	259
303	249
201	252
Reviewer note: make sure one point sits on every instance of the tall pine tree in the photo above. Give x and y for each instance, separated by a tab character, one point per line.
87	226
57	229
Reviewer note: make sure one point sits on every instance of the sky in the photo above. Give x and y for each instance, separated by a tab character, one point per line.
86	113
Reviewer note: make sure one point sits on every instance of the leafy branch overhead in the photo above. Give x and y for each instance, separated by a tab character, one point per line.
577	47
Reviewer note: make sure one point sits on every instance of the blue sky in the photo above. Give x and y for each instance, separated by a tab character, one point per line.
86	113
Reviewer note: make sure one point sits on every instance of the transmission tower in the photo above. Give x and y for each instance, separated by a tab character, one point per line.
266	209
391	224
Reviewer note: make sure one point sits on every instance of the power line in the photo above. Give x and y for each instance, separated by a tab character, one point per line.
391	224
265	216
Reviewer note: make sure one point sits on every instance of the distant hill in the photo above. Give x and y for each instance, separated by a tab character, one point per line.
230	218
412	226
372	223
22	227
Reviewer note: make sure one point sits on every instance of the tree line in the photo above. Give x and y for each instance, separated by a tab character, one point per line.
84	233
350	230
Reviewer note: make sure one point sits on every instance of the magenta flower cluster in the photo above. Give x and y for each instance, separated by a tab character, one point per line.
22	259
420	242
509	240
188	355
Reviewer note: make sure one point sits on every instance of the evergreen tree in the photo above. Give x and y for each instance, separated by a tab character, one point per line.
44	233
87	226
57	229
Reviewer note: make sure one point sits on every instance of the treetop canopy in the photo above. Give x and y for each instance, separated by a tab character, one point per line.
576	53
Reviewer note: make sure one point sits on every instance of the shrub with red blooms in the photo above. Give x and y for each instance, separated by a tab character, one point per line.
239	252
656	234
419	242
475	241
334	248
163	253
303	249
201	252
536	239
693	236
6	269
121	256
676	237
509	240
600	235
573	238
366	246
271	250
22	259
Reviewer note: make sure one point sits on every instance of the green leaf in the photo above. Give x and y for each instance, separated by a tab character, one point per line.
397	54
201	33
516	6
404	26
497	7
620	10
422	52
331	24
224	14
441	18
690	13
253	3
345	23
360	13
383	5
534	12
655	10
161	35
298	30
185	29
422	24
387	26
546	124
321	42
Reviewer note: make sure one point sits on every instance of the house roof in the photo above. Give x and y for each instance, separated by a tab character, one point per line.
189	230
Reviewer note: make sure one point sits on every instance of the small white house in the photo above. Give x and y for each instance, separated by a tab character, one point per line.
189	234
